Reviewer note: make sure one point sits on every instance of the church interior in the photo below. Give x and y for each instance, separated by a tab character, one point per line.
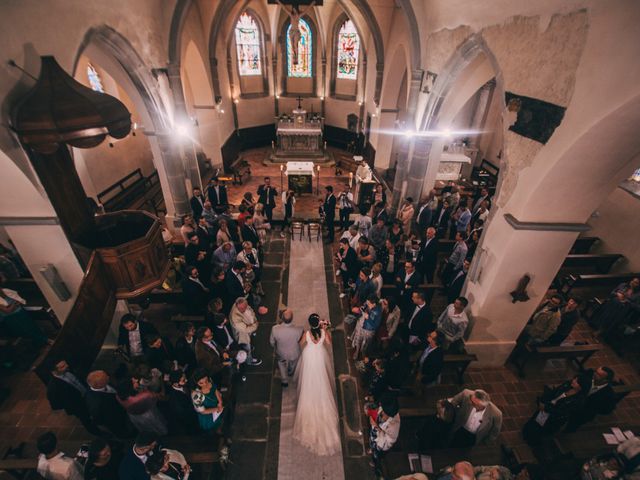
182	178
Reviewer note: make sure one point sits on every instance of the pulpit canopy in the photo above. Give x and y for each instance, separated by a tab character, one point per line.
58	110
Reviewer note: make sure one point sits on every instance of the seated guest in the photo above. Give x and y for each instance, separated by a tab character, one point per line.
160	353
420	319
207	401
224	256
196	254
210	216
365	252
544	323
132	466
168	464
195	294
141	407
244	322
347	261
384	428
569	316
183	417
456	259
430	363
458	277
435	431
453	322
554	407
378	234
478	421
623	298
185	351
209	355
54	464
600	398
103	460
408	279
370	317
103	405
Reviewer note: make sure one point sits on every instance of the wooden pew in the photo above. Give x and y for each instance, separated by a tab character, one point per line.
583	245
578	354
124	192
606	281
459	363
600	263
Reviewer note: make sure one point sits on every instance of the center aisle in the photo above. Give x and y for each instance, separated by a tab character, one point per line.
307	294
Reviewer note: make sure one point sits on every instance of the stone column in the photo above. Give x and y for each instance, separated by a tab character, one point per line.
405	148
175	179
509	250
485	95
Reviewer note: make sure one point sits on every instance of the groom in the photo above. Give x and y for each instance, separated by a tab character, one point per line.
285	339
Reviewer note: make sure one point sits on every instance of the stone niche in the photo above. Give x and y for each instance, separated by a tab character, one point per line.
131	247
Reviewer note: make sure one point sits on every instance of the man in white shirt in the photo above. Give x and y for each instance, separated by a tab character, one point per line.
54	464
384	430
353	236
477	422
245	323
345	206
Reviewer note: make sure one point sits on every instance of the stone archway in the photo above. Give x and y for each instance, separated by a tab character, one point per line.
119	58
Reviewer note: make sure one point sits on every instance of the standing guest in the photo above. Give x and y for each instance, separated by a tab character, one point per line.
249	256
388	256
424	216
168	464
185	350
285	339
554	407
384	429
245	323
407	280
453	322
206	235
345	206
131	333
195	294
224	256
54	464
419	320
218	287
569	316
363	222
472	243
463	218
347	260
376	277
16	318
217	195
330	212
368	323
210	216
223	334
197	203
436	429
209	355
441	219
65	391
352	235
458	277
478	421
132	465
480	215
224	234
160	354
405	215
242	215
366	253
600	398
248	233
248	201
396	234
390	320
234	282
483	198
197	255
103	460
379	212
103	405
184	419
260	223
378	195
428	254
456	259
364	288
430	363
207	401
188	227
267	196
378	234
142	408
378	384
289	205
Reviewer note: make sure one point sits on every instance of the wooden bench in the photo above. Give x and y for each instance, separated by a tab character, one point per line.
240	168
583	244
124	192
601	263
578	354
459	363
601	281
153	197
180	318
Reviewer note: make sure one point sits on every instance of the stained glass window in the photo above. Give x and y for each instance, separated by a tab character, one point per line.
94	79
348	49
248	46
301	68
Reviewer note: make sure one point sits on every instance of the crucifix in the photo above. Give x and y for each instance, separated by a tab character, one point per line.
294	33
299	102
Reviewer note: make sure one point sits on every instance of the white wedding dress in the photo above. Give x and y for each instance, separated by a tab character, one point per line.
316	422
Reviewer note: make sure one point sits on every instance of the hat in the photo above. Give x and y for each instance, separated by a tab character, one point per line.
98	379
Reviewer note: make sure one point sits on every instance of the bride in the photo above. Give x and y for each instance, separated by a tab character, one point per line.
316	422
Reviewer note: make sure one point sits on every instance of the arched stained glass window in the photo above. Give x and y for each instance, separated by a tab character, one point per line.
248	46
94	79
348	50
300	67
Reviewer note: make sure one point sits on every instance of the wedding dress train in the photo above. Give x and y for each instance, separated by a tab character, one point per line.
316	421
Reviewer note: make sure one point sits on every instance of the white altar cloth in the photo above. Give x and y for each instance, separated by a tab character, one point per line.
299	168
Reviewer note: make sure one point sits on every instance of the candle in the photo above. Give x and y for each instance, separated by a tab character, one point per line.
350	179
281	168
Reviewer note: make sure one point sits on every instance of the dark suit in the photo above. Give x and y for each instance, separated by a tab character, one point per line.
195	297
218	200
209	359
162	357
441	221
223	336
63	396
421	323
267	197
107	412
191	253
455	287
183	418
428	258
250	234
405	289
432	365
424	220
234	287
329	206
207	238
197	205
145	329
132	468
601	402
186	353
352	264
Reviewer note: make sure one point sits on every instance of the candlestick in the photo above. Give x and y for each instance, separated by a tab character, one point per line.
350	179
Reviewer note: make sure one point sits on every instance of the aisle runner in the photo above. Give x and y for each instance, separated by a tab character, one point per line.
307	294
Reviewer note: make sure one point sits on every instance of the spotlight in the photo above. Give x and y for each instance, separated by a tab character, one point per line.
408	134
182	130
236	101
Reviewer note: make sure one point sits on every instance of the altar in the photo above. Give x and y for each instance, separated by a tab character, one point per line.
300	177
451	165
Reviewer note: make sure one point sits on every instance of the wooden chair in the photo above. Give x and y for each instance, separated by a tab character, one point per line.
315	229
297	227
